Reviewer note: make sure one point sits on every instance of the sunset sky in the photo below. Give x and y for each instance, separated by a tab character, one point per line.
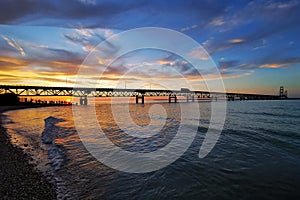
255	44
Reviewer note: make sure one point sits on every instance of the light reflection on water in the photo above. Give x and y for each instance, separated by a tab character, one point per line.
257	156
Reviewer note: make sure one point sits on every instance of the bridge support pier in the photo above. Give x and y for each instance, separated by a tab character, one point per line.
172	97
190	97
137	97
230	98
83	101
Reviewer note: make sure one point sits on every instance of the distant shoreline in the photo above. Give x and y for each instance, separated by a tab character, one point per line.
293	98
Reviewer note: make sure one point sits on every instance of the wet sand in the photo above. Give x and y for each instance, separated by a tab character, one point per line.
18	178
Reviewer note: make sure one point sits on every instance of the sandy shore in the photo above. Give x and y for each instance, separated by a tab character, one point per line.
19	179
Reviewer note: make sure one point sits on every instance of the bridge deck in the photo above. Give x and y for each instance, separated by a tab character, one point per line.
118	92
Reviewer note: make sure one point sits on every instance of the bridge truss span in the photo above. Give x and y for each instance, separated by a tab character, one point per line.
117	92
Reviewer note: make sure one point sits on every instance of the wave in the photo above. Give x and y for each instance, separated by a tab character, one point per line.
50	131
49	134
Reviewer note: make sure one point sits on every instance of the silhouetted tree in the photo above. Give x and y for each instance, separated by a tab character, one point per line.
9	100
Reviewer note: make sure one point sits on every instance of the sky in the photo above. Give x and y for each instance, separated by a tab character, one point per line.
254	44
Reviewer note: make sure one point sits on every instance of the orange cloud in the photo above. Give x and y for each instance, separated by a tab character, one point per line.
14	61
272	66
237	41
163	62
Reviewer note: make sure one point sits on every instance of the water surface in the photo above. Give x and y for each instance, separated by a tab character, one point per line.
257	155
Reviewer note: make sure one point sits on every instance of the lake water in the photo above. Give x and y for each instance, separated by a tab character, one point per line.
256	157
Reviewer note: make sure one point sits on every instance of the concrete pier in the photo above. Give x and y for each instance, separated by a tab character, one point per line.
190	98
83	101
230	98
172	97
137	97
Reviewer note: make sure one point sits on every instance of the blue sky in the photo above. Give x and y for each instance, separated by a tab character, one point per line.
255	44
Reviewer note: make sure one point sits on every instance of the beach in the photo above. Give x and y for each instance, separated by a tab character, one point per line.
19	178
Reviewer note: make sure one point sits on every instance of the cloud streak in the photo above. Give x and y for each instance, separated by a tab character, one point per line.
283	63
15	45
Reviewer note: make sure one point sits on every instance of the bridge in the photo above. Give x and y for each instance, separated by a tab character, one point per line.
83	93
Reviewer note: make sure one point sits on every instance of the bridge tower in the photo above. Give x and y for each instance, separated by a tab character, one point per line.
282	93
281	90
